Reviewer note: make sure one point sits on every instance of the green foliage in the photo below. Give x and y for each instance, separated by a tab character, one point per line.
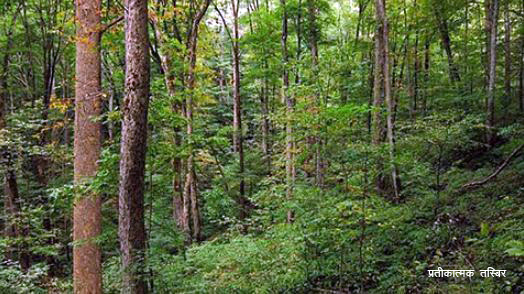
345	236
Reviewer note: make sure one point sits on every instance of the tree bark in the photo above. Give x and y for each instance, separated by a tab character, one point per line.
238	140
521	77
289	110
313	44
5	69
507	56
442	23
427	54
264	101
87	258
492	57
416	68
133	148
170	77
190	196
384	84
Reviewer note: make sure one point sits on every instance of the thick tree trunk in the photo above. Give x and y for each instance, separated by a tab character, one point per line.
133	148
492	57
87	260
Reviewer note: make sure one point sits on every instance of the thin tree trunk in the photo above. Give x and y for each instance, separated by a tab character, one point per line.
298	25
12	198
12	224
4	89
266	149
289	110
466	49
383	66
238	141
133	148
521	77
427	53
507	56
313	43
492	53
87	257
190	189
442	22
30	66
416	69
170	80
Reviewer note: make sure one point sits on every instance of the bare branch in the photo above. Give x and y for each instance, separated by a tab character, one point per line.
476	184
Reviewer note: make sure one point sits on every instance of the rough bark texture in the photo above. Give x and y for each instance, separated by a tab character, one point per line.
133	150
87	271
492	57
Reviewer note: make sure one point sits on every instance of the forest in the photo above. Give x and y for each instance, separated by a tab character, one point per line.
262	146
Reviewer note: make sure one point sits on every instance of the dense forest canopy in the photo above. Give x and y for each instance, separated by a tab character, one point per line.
261	146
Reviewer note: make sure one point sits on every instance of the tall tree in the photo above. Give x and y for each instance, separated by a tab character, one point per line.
170	78
313	44
288	100
383	87
507	55
238	137
13	228
521	74
5	69
190	186
87	260
238	140
133	147
443	28
493	13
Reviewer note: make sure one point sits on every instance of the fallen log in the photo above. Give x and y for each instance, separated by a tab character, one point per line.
476	184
